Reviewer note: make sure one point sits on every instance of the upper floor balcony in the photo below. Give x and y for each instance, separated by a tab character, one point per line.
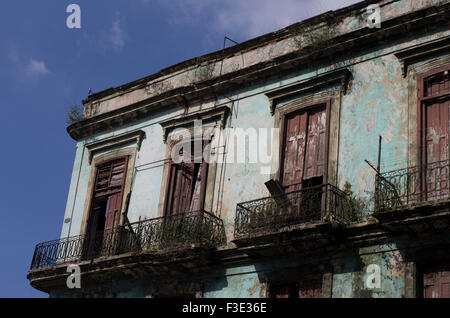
412	186
415	199
159	235
323	204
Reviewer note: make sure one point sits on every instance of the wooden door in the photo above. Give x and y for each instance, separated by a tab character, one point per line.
180	189
304	147
109	185
311	288
280	291
187	184
436	171
201	174
105	206
316	144
294	151
436	281
434	98
113	211
306	288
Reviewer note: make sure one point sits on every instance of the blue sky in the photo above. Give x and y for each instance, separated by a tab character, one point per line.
45	67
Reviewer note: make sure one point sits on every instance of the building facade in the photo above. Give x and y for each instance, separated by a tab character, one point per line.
308	162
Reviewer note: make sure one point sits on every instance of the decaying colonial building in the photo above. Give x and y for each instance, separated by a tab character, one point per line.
337	211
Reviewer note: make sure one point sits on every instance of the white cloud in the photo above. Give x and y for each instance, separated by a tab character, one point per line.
36	68
112	38
248	18
32	69
117	35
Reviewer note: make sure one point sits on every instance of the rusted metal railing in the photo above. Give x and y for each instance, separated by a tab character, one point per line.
409	186
160	234
320	203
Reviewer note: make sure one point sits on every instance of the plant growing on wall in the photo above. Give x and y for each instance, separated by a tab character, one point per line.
313	40
158	88
204	72
356	205
74	114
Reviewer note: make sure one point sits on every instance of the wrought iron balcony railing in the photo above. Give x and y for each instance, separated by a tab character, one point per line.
315	204
160	234
409	186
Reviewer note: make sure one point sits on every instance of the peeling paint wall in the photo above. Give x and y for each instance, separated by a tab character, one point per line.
358	276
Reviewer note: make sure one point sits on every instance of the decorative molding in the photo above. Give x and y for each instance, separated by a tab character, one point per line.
209	114
135	136
341	77
423	51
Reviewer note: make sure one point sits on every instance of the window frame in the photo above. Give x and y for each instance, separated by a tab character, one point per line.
93	190
294	285
204	166
284	114
421	118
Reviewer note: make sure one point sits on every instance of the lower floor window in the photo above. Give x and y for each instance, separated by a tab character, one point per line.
306	288
436	281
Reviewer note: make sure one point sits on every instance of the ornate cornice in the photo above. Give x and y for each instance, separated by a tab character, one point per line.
420	52
131	137
220	113
337	77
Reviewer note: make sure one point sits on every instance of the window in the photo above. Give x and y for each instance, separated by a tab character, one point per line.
436	281
307	288
106	202
434	103
304	148
187	183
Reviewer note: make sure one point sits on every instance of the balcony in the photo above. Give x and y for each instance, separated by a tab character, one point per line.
419	185
159	235
315	205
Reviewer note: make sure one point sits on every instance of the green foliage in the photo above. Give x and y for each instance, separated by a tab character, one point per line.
158	88
314	40
74	114
356	205
181	232
204	73
386	196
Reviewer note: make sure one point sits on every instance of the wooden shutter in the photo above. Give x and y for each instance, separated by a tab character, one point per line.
110	177
200	177
305	147
311	288
187	184
113	210
109	184
307	288
316	144
180	190
434	97
294	151
437	131
280	291
436	281
199	187
106	203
